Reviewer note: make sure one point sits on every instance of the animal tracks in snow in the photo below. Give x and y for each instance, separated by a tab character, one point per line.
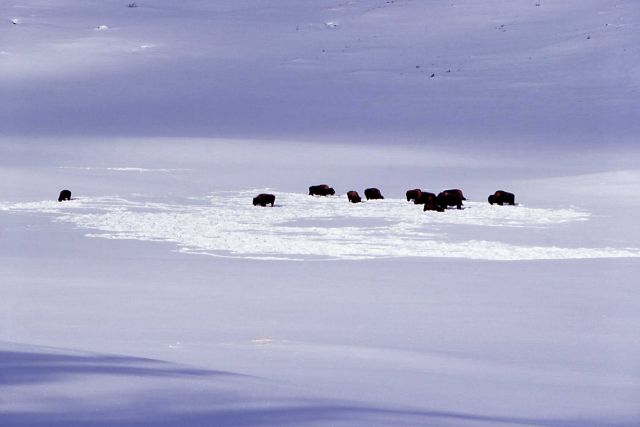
305	227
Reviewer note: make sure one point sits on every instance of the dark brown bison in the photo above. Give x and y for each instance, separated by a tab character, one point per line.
372	194
450	198
64	195
432	206
321	190
501	197
413	194
353	196
264	200
425	197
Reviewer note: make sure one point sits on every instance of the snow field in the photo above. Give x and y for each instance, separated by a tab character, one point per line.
416	319
304	227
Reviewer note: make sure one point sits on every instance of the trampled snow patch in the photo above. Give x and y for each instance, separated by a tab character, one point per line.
305	227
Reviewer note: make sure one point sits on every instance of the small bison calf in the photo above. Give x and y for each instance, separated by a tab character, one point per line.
353	196
373	194
432	206
264	199
501	197
64	195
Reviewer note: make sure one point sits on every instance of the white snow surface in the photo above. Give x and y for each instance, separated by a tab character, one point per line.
304	227
164	120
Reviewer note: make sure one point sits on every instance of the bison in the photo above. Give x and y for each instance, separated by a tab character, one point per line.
321	190
450	198
425	197
413	194
64	195
432	206
353	196
373	194
501	197
264	199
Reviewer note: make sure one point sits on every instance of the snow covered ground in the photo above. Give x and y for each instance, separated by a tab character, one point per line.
161	296
316	228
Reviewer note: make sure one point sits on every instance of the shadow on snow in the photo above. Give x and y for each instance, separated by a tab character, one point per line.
26	369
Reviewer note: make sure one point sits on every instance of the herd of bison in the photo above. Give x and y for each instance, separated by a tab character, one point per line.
431	201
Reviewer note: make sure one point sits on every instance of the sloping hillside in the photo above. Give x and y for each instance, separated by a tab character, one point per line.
502	72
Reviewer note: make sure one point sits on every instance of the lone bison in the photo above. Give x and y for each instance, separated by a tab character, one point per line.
353	196
373	194
432	206
64	195
501	197
425	197
321	190
413	194
450	198
264	199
